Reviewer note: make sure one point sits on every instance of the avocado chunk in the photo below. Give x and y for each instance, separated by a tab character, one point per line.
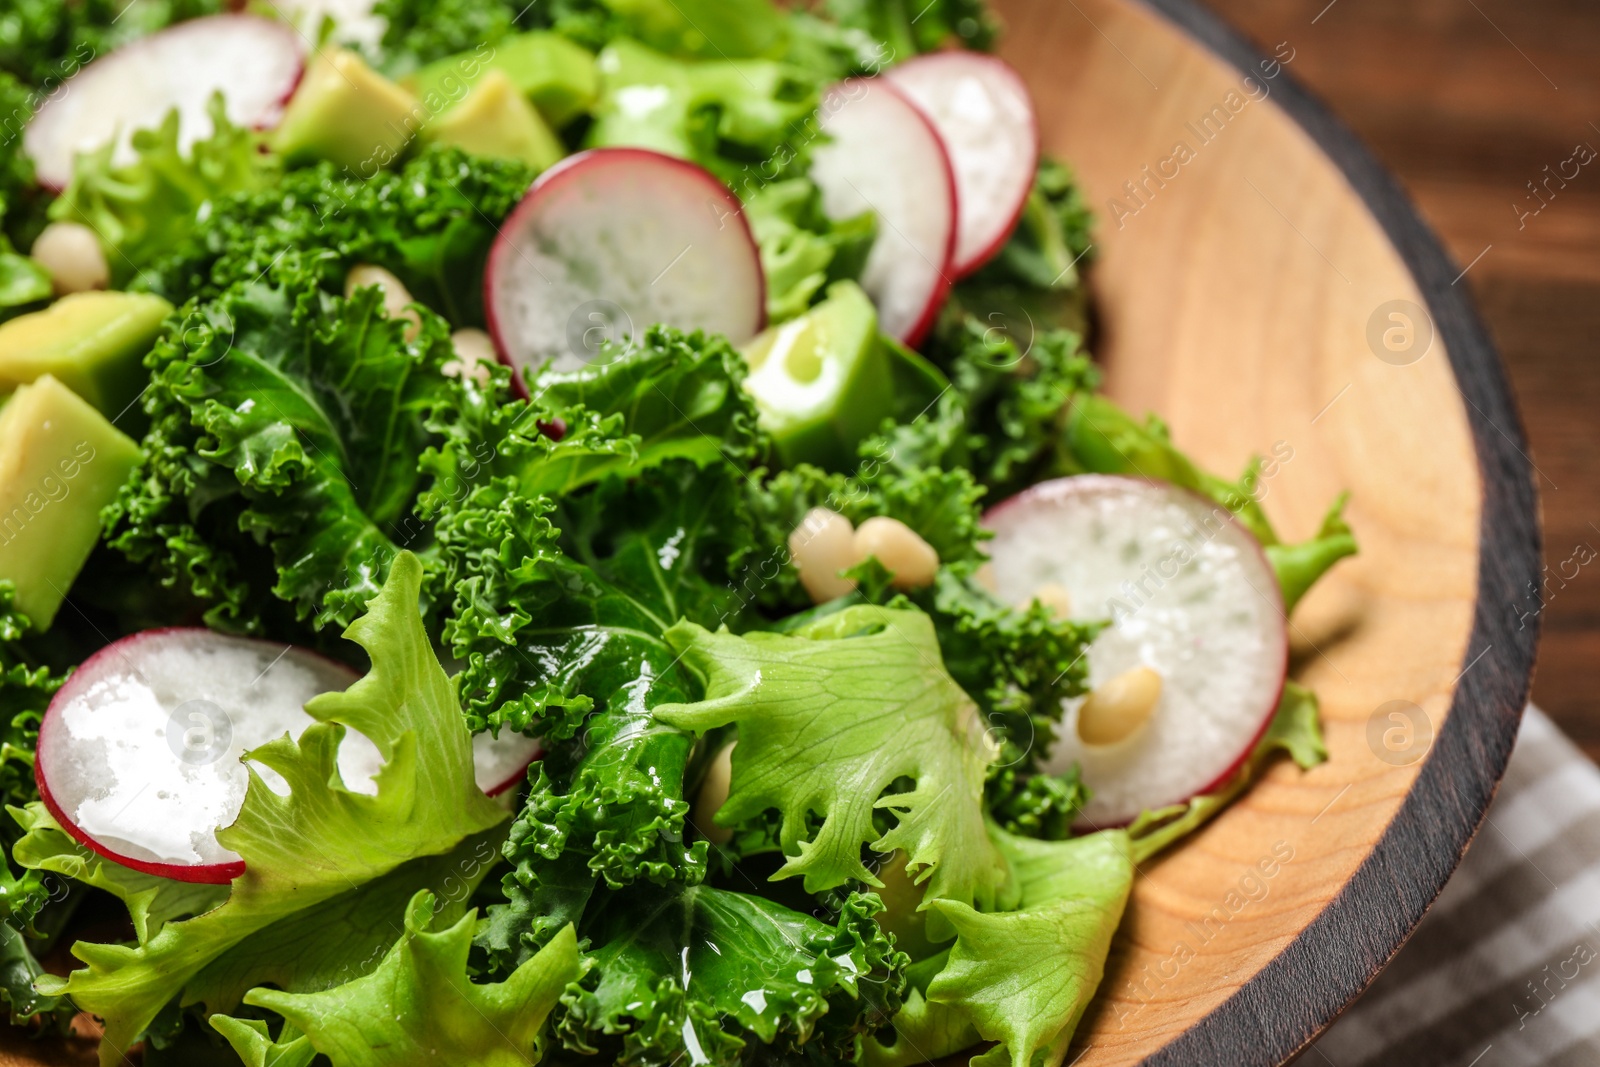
61	463
349	114
495	120
557	76
822	383
93	343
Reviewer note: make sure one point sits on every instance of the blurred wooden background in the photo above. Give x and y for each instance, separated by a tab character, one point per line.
1467	102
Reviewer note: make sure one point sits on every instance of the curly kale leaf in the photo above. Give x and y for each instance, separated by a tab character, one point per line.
907	27
431	223
704	974
608	804
534	622
290	420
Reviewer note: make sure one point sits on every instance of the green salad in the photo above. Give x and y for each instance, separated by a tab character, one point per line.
585	532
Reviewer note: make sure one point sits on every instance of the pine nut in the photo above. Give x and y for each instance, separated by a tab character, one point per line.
396	297
822	546
713	794
1119	707
71	254
475	354
1053	596
911	560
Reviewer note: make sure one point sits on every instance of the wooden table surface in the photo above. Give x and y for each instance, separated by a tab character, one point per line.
1468	102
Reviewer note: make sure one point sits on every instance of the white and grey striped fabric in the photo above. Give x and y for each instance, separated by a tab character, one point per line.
1505	969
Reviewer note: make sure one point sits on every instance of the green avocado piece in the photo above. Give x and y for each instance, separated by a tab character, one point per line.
557	76
61	463
93	343
349	114
822	382
497	121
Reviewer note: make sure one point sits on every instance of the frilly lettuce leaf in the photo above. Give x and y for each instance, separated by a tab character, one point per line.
748	121
830	718
320	841
1299	566
419	1003
141	209
1022	977
802	250
695	974
152	902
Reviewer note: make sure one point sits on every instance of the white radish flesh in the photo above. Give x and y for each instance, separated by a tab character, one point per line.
612	241
984	114
1190	595
139	754
884	156
254	62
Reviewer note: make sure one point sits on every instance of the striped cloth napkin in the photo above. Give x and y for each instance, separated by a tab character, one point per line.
1504	971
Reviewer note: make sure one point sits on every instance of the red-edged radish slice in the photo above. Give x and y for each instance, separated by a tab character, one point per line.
611	241
139	752
984	114
254	62
884	156
501	763
1190	595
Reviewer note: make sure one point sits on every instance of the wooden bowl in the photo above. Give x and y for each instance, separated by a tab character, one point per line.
1250	257
1244	288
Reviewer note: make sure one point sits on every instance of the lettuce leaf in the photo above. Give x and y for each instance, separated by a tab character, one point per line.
1021	977
420	1000
695	974
748	121
832	716
321	841
141	209
802	250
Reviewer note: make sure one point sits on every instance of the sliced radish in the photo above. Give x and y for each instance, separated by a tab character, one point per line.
612	241
254	62
501	763
1190	595
984	114
884	156
139	753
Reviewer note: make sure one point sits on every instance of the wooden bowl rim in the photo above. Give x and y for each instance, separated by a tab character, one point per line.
1283	1007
